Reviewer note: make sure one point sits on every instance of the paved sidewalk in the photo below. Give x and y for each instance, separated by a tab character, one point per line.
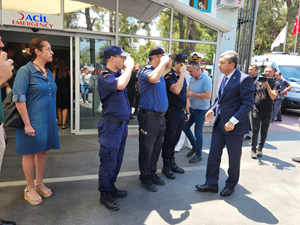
268	191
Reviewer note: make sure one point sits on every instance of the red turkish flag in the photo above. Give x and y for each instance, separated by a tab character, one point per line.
295	27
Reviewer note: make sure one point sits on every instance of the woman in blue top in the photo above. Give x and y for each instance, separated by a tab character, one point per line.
34	92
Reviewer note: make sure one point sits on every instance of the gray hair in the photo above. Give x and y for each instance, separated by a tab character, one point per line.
195	64
231	56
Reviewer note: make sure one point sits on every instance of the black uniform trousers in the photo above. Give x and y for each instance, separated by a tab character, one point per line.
172	134
234	150
151	132
260	122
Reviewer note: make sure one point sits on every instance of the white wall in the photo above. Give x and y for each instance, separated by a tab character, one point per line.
229	17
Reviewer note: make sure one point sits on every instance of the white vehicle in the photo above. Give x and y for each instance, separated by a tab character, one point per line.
289	66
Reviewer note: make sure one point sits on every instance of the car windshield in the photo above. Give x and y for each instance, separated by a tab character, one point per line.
290	73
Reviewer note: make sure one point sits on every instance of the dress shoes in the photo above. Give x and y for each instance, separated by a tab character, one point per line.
148	184
278	120
247	138
253	155
109	202
259	153
205	188
115	193
157	180
226	192
4	222
191	152
195	159
296	159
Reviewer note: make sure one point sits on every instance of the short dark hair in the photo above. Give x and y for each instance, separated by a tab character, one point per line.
279	73
231	56
255	66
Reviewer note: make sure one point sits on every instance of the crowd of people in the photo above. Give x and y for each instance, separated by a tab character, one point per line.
170	100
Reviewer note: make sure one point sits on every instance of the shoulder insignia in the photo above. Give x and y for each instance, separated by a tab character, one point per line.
105	75
148	66
105	71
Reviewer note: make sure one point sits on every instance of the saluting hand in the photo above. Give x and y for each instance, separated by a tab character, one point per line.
164	59
129	62
182	70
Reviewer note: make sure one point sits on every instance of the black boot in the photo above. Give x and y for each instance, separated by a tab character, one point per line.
174	167
166	170
115	193
107	200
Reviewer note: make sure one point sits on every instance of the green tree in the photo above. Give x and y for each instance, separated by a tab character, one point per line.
272	16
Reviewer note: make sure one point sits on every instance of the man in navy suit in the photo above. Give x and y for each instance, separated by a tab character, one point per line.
234	101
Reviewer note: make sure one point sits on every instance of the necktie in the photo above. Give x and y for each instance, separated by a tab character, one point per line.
223	86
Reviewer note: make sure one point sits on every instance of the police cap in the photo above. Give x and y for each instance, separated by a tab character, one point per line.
114	50
196	56
183	59
157	50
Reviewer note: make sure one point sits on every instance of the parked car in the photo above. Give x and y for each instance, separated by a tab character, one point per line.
289	66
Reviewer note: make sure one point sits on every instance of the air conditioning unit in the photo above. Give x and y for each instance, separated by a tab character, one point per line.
230	4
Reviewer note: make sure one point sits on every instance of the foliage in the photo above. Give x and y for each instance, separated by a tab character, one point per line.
272	16
101	19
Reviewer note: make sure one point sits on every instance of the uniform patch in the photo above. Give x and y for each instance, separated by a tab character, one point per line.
148	66
108	74
167	77
144	132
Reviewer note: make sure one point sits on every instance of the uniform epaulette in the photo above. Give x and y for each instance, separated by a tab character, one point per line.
148	66
105	73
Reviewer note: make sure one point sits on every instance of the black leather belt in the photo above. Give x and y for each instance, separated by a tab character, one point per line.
152	113
114	120
176	108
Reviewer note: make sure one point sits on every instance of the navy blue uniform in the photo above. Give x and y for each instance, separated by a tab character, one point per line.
152	122
175	123
112	128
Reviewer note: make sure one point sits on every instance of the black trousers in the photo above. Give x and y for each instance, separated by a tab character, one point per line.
151	132
172	134
260	122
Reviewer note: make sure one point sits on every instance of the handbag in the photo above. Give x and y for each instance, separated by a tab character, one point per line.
12	117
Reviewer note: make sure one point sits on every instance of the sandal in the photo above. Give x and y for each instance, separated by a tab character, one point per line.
64	126
59	123
37	200
46	194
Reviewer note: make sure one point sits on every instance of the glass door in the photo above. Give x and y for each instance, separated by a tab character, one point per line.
89	62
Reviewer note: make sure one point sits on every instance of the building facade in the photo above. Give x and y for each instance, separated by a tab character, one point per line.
79	31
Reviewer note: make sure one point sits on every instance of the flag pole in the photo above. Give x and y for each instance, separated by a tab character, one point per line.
286	25
297	29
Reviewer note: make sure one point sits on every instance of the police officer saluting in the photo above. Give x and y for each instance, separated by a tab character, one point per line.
176	90
151	117
112	127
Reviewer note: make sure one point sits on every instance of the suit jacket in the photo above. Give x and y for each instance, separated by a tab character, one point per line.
237	100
